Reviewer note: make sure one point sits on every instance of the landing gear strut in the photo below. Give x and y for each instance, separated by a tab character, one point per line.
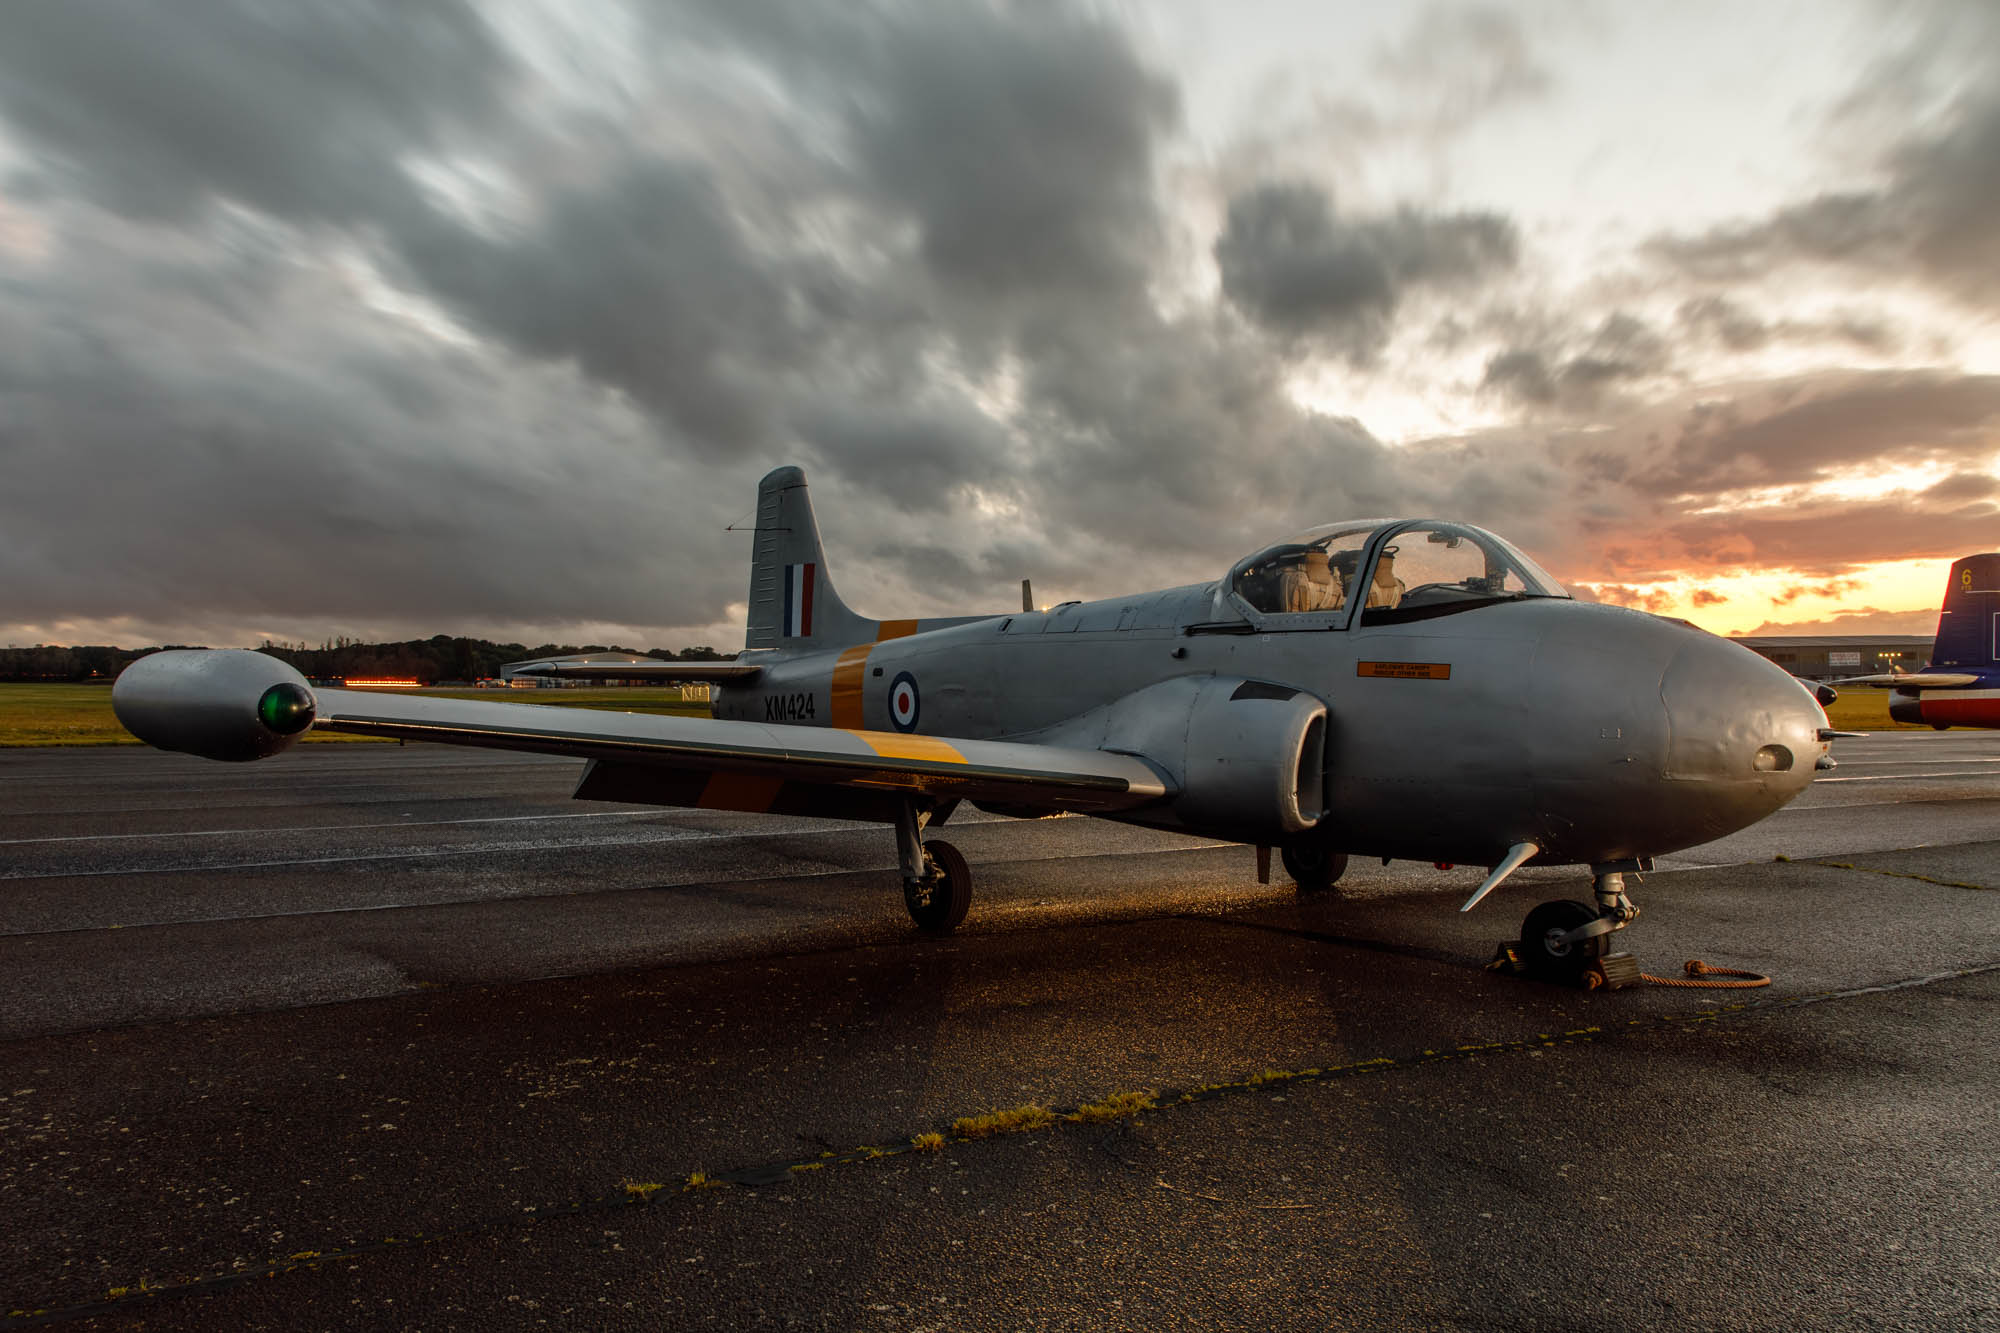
937	884
1561	939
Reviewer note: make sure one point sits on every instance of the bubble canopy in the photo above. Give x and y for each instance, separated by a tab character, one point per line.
1382	571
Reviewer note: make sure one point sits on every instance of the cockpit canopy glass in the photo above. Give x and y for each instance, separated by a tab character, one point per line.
1422	568
1311	572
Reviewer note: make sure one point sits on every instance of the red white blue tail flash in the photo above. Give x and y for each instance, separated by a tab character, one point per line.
798	601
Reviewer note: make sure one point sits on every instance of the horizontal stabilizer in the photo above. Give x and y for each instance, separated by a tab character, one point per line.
616	666
1921	680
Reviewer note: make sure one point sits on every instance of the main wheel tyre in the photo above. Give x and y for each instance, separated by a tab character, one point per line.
1541	950
1312	867
940	911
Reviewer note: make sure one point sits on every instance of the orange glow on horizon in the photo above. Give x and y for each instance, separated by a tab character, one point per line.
1773	601
390	683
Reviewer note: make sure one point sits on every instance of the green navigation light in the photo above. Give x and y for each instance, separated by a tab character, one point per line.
286	709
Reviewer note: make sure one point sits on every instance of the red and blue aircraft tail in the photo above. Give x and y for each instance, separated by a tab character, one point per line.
1968	645
1968	633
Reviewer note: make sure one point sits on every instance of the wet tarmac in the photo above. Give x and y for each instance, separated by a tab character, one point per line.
374	1037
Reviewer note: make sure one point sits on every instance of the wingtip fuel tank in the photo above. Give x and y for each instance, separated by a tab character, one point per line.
230	704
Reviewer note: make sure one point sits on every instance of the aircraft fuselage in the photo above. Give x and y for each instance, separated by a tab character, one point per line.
1948	708
1596	733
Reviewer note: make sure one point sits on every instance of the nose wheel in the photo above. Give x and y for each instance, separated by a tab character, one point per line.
1547	949
1560	940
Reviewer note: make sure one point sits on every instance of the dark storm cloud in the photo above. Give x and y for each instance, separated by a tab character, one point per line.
1291	265
1019	140
1930	218
995	171
918	458
359	314
1180	432
645	281
287	460
1582	373
1019	148
1828	539
303	111
938	189
1809	430
1657	493
1024	150
1733	326
1963	488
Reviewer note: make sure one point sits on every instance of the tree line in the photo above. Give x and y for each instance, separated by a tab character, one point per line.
438	658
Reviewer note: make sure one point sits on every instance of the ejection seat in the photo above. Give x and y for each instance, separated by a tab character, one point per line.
1385	590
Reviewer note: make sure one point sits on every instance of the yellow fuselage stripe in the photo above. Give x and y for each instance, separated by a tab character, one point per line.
848	674
896	745
894	629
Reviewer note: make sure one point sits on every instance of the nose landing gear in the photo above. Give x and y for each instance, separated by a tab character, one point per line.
1562	940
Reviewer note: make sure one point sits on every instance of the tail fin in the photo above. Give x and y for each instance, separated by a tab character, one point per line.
792	601
1968	633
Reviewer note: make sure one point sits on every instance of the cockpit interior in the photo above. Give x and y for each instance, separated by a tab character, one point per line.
1378	571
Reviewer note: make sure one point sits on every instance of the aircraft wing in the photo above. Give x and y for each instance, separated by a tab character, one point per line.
1921	680
784	769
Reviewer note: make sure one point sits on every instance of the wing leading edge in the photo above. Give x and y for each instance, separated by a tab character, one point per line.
834	772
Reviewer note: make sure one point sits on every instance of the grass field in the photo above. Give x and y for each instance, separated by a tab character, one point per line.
1866	710
33	714
61	714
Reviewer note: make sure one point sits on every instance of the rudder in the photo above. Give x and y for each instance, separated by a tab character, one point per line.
792	600
1968	633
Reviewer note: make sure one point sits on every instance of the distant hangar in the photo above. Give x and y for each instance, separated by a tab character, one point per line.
1829	657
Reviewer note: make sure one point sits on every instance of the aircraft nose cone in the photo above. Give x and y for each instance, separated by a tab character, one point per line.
1740	727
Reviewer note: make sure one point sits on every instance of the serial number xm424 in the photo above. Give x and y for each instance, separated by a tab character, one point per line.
1402	688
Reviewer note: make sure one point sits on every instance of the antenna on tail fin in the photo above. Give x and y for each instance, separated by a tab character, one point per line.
792	600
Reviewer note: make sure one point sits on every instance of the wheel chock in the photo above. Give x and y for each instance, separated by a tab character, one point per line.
1614	971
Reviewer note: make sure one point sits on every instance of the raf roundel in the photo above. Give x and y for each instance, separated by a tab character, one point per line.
904	707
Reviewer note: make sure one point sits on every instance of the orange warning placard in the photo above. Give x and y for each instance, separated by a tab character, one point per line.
1405	670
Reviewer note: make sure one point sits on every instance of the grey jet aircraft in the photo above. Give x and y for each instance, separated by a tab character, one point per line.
1401	688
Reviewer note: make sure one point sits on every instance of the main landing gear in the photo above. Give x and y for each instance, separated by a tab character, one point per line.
1560	940
937	884
1313	866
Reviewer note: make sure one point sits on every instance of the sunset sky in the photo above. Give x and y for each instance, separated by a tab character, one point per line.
405	318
